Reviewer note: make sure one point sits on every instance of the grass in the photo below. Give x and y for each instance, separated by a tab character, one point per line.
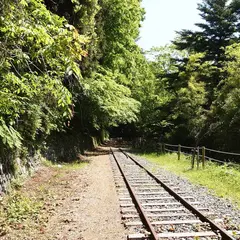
65	166
20	209
223	180
15	208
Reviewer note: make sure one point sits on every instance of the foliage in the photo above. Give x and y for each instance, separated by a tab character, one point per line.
226	108
179	95
70	66
65	166
20	207
74	67
34	59
113	101
196	82
228	178
112	68
217	30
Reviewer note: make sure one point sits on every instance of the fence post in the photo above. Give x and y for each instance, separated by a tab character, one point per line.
203	157
193	157
198	158
163	148
179	151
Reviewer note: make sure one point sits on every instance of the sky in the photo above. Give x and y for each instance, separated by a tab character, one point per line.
163	18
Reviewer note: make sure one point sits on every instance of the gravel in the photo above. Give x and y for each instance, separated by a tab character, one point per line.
223	208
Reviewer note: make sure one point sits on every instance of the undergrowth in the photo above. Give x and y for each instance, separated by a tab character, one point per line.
15	208
223	180
20	208
65	166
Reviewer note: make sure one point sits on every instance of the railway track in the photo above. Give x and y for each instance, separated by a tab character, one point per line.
153	208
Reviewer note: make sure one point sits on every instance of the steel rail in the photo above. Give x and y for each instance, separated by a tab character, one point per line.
224	234
143	216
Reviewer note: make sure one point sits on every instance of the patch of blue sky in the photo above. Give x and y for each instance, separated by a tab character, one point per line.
163	18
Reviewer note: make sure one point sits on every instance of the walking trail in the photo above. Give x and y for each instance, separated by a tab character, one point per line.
78	203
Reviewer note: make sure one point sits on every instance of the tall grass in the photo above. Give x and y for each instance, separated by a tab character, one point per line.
223	180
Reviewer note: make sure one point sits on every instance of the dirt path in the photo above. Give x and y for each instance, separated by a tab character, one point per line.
79	203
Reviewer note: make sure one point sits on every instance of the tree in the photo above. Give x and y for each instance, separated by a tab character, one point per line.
71	66
218	30
173	108
34	56
224	128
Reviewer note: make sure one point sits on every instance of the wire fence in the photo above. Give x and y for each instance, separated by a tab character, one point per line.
202	153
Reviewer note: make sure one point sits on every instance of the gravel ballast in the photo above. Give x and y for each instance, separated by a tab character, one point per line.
222	208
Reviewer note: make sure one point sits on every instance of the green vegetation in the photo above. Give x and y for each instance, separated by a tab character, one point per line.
71	70
223	180
194	96
26	205
64	166
17	208
20	207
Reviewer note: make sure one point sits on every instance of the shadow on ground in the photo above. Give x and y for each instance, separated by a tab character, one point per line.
97	151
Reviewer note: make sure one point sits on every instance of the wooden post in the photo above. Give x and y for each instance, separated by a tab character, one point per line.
163	148
198	158
203	157
159	149
193	157
179	151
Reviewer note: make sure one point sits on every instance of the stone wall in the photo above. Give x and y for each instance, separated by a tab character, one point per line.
15	167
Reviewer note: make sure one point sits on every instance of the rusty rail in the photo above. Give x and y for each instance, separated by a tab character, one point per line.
137	204
217	229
